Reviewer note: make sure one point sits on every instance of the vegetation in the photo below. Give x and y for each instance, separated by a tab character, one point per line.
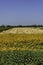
21	49
21	41
21	57
3	27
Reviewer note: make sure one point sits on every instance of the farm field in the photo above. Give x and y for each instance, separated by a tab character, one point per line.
21	41
21	46
25	30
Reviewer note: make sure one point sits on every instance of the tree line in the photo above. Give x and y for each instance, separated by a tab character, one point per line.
21	26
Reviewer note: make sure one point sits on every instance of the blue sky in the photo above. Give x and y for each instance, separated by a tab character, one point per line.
21	12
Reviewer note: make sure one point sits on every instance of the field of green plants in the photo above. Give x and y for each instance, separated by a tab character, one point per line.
21	49
25	57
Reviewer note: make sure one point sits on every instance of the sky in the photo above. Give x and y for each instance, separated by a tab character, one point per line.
21	12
